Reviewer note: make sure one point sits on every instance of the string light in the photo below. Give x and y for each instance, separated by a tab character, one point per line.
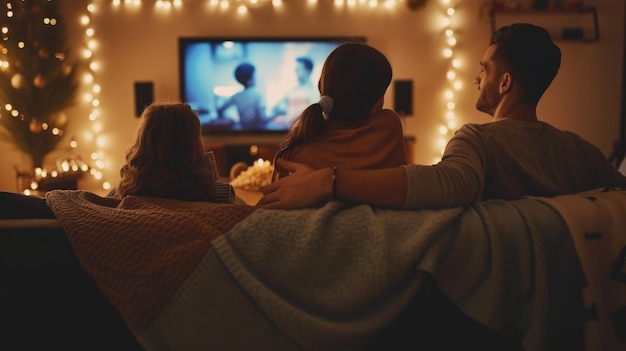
93	90
448	126
241	7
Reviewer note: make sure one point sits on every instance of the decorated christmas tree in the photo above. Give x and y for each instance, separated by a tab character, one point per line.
37	81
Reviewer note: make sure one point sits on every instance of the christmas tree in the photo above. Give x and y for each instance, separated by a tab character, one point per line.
37	82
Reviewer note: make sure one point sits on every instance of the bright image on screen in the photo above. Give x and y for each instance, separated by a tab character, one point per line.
251	85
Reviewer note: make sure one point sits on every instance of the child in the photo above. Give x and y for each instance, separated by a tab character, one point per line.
168	159
348	127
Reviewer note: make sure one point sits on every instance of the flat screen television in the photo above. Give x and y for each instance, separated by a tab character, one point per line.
251	85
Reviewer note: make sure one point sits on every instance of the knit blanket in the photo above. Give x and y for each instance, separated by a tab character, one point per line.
199	276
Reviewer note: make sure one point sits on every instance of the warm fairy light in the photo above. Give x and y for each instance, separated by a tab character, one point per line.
450	124
92	89
242	7
88	78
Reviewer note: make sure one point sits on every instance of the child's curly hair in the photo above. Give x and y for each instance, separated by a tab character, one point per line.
167	158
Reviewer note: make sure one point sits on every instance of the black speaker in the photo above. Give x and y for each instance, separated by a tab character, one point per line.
144	96
403	97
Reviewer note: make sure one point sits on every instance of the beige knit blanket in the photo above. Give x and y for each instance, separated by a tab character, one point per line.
597	222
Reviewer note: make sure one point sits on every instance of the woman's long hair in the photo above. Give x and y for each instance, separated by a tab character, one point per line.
167	158
355	76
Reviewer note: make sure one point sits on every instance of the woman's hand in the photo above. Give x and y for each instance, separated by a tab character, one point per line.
303	187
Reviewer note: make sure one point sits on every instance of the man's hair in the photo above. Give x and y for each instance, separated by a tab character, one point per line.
243	73
306	62
528	53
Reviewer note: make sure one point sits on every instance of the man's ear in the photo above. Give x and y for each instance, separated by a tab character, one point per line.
506	83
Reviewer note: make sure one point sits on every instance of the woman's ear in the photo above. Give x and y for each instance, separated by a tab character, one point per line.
377	106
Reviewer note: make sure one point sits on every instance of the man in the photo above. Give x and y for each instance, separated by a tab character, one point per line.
300	96
513	156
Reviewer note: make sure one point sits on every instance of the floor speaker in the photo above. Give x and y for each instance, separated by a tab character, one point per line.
403	97
144	96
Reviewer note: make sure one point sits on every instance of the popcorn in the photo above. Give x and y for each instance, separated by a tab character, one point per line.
254	177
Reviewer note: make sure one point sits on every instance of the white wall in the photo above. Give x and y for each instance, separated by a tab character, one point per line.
140	44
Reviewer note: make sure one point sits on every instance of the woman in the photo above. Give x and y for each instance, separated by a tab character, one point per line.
348	127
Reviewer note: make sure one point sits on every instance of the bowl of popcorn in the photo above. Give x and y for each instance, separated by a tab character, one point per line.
252	178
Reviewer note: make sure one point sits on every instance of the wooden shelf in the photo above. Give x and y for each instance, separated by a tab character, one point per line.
582	11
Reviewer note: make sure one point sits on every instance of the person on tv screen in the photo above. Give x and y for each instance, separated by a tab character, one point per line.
298	97
347	126
250	102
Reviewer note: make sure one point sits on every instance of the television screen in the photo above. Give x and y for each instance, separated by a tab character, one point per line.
252	85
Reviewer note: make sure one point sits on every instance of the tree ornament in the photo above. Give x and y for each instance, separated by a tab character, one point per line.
35	126
39	81
67	69
43	53
17	81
